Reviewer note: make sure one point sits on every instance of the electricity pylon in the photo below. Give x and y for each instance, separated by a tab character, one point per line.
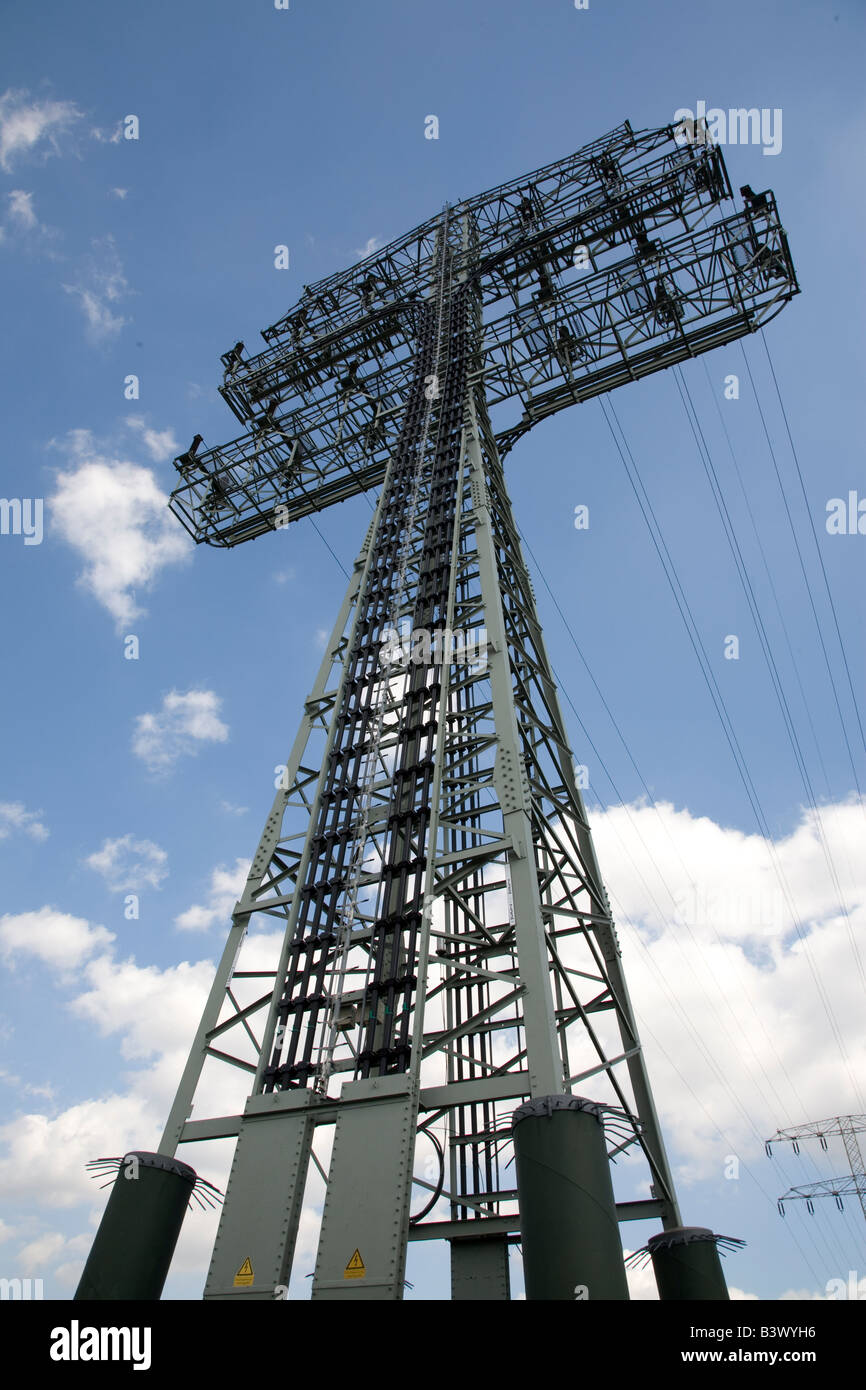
424	955
845	1127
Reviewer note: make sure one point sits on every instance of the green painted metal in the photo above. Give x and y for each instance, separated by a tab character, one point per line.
255	1241
570	1233
686	1264
512	985
131	1254
479	1269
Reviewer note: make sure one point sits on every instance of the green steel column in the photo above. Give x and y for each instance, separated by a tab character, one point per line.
479	1269
686	1264
568	1221
133	1247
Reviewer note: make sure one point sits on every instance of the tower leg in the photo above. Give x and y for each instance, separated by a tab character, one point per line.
255	1242
686	1264
479	1269
570	1235
130	1256
362	1246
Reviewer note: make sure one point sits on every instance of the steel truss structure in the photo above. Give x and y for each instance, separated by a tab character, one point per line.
844	1127
424	939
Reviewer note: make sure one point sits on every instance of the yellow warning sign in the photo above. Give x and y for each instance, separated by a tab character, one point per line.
244	1276
355	1269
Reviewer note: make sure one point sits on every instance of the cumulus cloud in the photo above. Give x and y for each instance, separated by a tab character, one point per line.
113	136
153	1011
729	982
160	444
114	514
129	864
15	816
372	244
724	997
226	886
100	286
22	222
21	209
55	938
179	729
27	126
45	1156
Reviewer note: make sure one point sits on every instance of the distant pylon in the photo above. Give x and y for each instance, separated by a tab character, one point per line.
847	1127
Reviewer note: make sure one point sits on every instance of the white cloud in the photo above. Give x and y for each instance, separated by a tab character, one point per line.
33	1257
115	515
128	864
101	284
55	938
183	724
15	816
160	444
320	638
25	124
226	886
21	209
371	245
231	810
46	1155
153	1012
107	137
737	1037
26	229
119	192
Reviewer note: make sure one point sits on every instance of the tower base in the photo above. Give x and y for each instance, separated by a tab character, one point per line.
686	1264
133	1247
568	1221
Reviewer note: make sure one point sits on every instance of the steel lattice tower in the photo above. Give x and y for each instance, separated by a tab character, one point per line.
424	940
845	1127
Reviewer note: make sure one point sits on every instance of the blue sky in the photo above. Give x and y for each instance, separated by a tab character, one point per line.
152	256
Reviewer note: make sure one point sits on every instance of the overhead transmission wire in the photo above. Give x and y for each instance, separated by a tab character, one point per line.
713	1066
726	947
737	553
803	571
673	843
687	616
622	916
814	537
767	571
748	589
715	694
794	664
820	559
690	1028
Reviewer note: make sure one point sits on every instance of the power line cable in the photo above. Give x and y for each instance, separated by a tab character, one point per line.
687	616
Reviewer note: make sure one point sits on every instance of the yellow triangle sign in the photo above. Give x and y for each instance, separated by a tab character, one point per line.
355	1269
244	1276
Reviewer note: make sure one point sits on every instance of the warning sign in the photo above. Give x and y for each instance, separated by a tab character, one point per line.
355	1269
244	1276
